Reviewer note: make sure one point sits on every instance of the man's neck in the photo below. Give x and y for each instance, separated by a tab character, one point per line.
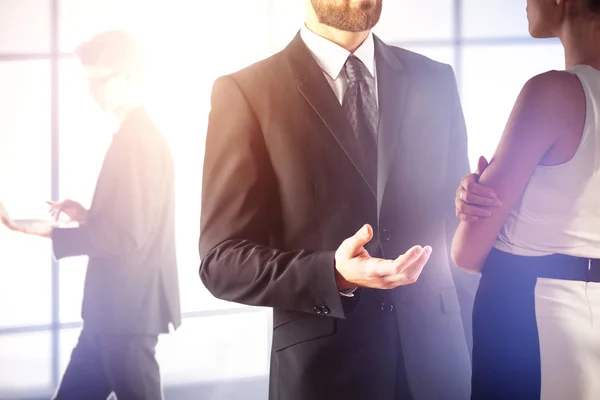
123	112
348	40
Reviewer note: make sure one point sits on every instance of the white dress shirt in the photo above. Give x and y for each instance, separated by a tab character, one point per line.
331	58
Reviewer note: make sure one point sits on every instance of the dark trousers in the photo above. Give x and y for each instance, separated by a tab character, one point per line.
103	364
506	347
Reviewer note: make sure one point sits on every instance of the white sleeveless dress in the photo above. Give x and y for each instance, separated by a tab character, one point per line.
559	214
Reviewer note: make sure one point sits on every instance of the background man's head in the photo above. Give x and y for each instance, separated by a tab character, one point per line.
113	65
347	15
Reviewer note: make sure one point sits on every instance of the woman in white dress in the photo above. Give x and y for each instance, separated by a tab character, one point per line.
536	320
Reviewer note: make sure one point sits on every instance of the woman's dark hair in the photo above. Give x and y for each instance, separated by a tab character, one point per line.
594	5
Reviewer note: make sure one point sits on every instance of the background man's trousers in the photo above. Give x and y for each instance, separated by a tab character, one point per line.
102	364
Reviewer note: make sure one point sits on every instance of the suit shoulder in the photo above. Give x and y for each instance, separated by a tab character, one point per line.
264	70
146	139
421	63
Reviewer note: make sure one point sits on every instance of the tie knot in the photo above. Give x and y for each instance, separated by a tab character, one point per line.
355	69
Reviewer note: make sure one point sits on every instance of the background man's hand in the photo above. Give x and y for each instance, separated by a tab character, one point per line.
41	230
474	200
72	209
356	268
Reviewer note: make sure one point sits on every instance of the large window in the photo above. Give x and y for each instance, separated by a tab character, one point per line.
53	141
492	79
486	20
24	185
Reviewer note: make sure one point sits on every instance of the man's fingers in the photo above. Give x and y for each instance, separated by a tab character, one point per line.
412	255
405	260
63	205
405	269
56	205
57	208
12	226
354	244
413	271
8	223
384	269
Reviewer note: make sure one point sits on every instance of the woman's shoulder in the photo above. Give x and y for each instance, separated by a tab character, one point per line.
560	83
555	94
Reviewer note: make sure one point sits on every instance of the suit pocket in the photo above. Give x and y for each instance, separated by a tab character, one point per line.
449	300
302	330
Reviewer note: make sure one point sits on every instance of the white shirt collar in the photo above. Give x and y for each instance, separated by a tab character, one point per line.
332	57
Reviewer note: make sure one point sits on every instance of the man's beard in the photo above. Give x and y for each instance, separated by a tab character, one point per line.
348	17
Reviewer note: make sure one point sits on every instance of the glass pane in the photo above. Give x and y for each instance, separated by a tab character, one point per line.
25	26
286	19
25	364
79	20
405	20
84	136
179	100
66	343
401	20
179	83
24	187
217	349
494	18
443	54
72	276
202	29
492	78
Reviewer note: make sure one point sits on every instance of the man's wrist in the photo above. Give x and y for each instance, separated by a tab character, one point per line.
345	288
348	292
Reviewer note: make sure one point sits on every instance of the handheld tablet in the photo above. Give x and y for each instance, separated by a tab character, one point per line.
27	222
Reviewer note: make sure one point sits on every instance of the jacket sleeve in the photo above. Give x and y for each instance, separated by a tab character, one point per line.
128	198
240	220
458	167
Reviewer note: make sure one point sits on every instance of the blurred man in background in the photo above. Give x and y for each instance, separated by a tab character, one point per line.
329	170
131	292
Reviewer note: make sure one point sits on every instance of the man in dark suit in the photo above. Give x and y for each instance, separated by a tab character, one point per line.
131	292
336	131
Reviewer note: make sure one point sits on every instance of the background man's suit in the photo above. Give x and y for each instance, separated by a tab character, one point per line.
131	292
283	187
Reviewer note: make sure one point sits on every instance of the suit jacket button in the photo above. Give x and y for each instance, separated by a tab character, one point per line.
385	235
317	309
325	310
387	307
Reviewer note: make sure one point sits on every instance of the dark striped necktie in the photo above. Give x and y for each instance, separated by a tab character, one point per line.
360	106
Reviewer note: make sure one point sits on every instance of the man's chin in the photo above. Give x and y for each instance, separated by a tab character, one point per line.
365	4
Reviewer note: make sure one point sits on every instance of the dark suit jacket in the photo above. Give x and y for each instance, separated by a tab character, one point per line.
131	285
283	187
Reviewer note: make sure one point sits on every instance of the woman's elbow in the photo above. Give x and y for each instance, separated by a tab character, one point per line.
464	260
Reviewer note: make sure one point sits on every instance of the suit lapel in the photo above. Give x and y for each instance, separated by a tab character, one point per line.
316	91
392	87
